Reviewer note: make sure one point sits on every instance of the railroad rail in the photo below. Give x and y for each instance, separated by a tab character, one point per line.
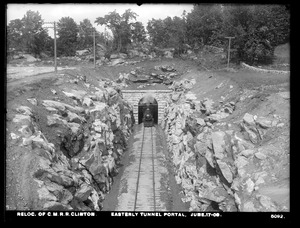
141	180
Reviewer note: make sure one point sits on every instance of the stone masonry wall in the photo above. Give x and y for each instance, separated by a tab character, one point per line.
134	96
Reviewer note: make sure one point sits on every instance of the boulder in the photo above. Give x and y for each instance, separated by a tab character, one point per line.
33	101
87	101
133	53
201	122
190	96
56	206
54	104
247	153
25	110
29	58
240	162
248	207
62	106
218	144
225	169
73	117
55	120
82	52
248	119
83	192
123	55
175	96
251	135
168	54
260	155
285	95
267	203
208	105
27	130
114	56
117	61
249	186
45	194
75	94
264	122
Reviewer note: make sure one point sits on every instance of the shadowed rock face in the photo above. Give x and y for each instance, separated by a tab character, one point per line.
76	170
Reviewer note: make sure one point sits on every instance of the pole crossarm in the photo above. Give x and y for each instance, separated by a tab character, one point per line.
94	38
54	27
229	38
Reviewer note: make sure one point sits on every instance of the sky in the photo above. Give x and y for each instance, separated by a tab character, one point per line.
54	12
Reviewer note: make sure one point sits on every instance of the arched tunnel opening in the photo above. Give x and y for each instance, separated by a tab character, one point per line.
151	102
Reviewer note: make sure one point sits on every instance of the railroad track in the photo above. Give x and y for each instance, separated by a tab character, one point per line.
141	182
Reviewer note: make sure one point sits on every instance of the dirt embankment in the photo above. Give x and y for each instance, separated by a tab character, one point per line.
230	144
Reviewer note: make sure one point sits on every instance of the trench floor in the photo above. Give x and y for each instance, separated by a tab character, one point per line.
168	193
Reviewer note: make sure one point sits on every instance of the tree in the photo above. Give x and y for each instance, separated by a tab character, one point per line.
157	32
138	32
85	38
258	30
169	33
28	34
14	34
67	31
120	27
203	23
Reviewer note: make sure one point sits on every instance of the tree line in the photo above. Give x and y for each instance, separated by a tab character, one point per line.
257	29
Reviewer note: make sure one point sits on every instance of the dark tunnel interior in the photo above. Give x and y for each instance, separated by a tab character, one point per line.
153	107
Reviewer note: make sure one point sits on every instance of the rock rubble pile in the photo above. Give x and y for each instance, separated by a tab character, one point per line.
221	170
160	74
76	171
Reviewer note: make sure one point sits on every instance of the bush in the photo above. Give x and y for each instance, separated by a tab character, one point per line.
256	51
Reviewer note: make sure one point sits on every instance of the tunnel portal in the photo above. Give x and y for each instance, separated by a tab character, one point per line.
134	97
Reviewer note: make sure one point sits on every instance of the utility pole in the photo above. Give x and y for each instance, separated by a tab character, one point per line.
94	35
230	37
55	57
54	27
94	41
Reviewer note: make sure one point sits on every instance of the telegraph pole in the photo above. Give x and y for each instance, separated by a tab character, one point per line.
54	27
230	37
94	35
94	41
55	57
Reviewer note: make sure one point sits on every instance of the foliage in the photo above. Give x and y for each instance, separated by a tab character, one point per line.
67	31
168	33
27	34
156	30
203	24
120	25
14	34
138	33
257	29
85	38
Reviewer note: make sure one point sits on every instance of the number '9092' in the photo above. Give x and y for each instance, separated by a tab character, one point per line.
277	216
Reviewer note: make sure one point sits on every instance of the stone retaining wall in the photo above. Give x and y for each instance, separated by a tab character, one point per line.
264	70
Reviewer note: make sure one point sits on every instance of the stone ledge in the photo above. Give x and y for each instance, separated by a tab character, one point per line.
146	91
